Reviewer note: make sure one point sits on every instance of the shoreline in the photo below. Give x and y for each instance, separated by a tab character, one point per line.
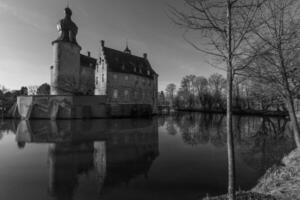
240	112
278	183
282	182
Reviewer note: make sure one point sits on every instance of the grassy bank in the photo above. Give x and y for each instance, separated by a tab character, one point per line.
244	196
282	182
279	182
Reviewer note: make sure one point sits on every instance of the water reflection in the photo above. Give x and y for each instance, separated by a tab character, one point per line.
116	151
176	157
255	137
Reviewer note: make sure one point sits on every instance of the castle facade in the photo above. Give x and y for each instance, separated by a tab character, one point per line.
115	84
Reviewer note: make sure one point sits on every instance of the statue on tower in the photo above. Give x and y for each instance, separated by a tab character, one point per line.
67	28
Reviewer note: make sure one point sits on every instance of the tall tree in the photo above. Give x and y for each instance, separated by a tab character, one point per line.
224	26
170	91
277	50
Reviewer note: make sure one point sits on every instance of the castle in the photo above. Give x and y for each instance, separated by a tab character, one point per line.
115	84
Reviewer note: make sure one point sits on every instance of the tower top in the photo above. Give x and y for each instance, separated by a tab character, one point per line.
68	12
127	50
67	29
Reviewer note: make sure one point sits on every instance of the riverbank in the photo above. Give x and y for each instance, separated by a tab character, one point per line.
282	182
279	182
240	112
244	196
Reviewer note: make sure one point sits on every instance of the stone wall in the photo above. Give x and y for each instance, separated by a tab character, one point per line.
66	67
101	77
77	107
130	88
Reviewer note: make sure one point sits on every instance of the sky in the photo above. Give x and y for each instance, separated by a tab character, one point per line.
29	26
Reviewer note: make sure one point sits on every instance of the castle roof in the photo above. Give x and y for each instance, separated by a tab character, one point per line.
87	61
123	62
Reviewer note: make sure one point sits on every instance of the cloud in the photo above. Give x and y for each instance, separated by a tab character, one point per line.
30	18
188	69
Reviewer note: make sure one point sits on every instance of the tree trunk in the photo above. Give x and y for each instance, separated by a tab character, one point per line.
293	118
230	144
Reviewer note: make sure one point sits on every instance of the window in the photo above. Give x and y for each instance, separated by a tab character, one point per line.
96	80
148	72
126	94
102	77
134	69
115	76
126	78
123	67
115	94
135	94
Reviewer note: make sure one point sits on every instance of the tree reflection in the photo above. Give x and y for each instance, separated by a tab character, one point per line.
255	137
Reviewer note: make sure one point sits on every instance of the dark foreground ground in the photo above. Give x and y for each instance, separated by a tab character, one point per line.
279	182
245	196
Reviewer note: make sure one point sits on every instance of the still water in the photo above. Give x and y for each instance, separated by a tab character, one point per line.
175	157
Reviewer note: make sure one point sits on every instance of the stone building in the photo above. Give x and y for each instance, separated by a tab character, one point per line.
117	84
72	73
125	78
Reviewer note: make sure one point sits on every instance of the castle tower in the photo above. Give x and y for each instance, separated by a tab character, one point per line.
65	72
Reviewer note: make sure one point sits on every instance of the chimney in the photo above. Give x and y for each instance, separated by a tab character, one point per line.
102	43
89	54
145	56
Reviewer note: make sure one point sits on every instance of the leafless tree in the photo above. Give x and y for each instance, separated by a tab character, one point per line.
277	50
32	89
224	26
69	84
170	91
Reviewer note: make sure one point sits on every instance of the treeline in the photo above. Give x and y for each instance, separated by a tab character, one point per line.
9	97
209	94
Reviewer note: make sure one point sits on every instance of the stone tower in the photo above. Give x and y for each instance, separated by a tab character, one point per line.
65	72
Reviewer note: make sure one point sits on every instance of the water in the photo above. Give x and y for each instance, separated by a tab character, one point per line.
178	157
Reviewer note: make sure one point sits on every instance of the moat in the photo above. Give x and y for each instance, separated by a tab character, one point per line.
175	157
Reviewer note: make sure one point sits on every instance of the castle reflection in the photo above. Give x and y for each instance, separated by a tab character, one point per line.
114	151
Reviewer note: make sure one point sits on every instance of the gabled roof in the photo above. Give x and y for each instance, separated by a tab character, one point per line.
123	62
87	61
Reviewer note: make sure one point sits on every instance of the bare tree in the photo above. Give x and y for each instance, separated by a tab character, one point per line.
170	91
224	26
277	50
32	89
69	84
